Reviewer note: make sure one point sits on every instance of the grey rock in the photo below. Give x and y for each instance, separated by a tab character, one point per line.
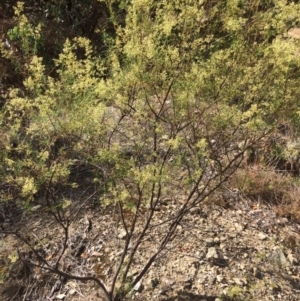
122	234
212	253
277	257
262	236
239	281
220	278
216	240
138	287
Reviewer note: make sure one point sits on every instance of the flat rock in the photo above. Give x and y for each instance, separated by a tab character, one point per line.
212	253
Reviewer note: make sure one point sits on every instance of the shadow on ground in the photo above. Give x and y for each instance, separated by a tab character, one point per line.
186	296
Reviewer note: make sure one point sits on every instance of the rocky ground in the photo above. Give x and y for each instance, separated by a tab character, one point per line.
242	252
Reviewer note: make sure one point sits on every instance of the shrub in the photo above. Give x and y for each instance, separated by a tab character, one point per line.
170	111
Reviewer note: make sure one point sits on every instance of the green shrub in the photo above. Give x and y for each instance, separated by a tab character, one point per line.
183	92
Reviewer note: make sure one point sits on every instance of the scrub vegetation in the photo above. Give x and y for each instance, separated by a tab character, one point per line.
137	102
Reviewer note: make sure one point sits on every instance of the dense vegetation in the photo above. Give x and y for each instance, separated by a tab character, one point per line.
141	100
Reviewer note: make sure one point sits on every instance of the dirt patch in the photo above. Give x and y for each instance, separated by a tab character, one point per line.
244	252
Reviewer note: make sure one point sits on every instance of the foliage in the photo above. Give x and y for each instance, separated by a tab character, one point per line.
29	35
23	38
56	121
185	89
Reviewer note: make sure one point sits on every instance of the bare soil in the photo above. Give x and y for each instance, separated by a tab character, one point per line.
242	252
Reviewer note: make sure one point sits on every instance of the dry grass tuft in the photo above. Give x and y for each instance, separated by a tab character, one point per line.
259	183
290	206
